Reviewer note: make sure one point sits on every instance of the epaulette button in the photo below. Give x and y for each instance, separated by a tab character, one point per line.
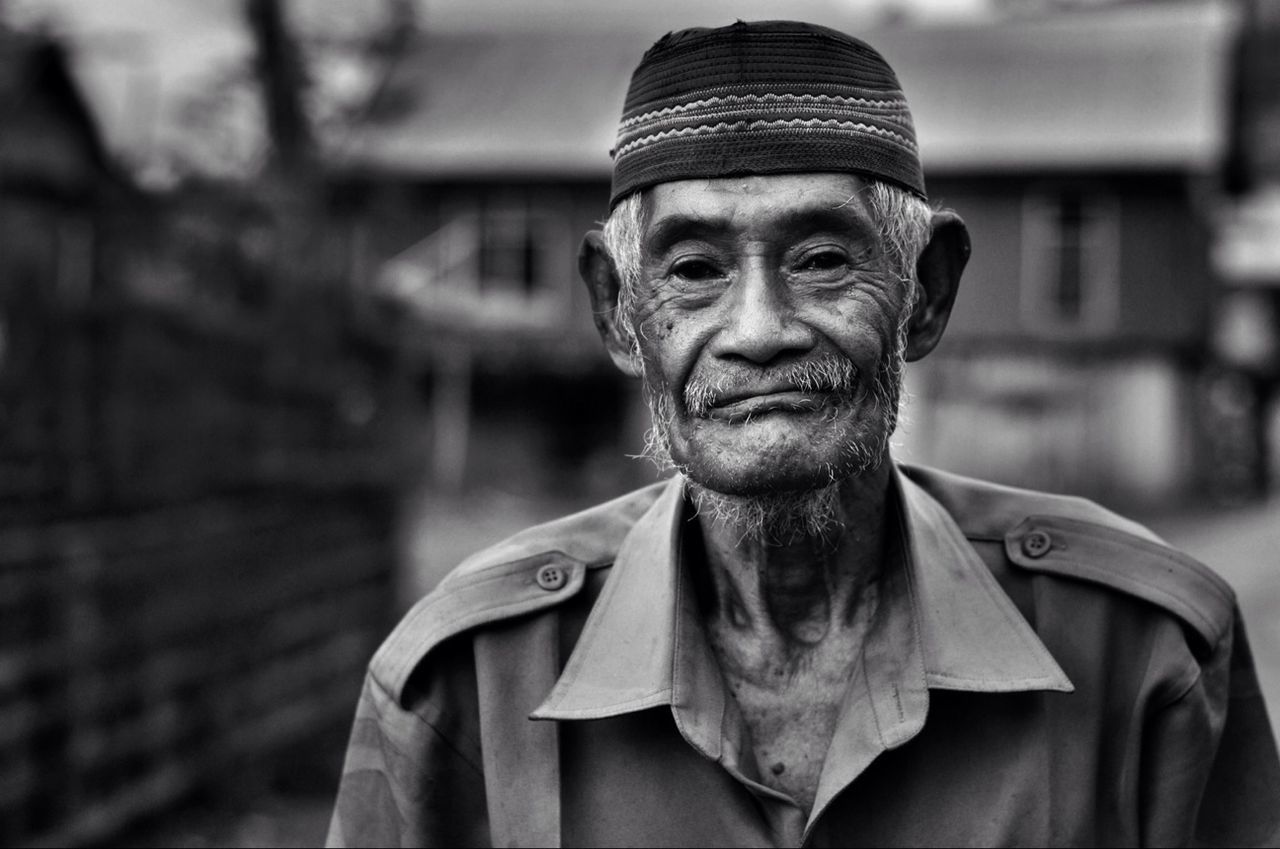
551	577
1036	544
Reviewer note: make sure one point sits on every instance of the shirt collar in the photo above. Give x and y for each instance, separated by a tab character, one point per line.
944	623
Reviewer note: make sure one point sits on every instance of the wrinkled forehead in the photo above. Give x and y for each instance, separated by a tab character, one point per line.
765	98
763	205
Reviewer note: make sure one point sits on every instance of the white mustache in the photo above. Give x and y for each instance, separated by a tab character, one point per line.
828	373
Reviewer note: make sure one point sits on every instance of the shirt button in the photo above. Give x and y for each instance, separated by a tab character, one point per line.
1036	544
551	577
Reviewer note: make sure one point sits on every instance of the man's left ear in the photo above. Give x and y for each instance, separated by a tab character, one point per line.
938	270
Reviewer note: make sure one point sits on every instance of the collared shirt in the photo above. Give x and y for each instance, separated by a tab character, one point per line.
990	705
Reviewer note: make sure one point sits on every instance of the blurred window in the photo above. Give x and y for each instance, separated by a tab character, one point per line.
512	249
1070	260
499	262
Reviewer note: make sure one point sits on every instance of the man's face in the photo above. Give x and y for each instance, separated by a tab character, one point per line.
768	323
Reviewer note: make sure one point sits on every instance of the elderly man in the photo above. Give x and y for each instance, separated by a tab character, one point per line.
795	640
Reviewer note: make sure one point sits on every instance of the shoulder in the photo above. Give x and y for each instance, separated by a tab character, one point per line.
537	569
1075	539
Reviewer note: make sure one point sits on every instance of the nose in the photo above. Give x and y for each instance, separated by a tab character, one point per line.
761	321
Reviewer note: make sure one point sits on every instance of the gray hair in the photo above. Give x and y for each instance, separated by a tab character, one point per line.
902	217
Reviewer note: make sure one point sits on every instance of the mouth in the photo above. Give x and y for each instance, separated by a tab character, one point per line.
740	406
801	388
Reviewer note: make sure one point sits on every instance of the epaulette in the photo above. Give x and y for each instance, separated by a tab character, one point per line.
536	569
1076	538
1115	558
985	511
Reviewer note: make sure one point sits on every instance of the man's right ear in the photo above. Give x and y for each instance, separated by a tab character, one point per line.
598	271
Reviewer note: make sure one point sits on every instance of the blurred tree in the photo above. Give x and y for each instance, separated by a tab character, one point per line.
315	67
347	50
282	79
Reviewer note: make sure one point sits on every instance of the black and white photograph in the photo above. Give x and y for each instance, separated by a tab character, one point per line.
457	423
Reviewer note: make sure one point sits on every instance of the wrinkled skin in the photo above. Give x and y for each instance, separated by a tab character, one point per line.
741	277
742	280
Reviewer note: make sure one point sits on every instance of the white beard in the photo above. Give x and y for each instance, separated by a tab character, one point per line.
785	517
775	519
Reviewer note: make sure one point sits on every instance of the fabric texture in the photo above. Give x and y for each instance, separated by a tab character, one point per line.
994	704
769	97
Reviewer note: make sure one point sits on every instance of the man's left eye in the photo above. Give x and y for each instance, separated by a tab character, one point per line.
822	261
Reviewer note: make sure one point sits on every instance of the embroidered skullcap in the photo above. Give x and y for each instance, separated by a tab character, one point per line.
769	97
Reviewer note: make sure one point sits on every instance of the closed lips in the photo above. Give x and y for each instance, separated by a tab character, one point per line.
738	404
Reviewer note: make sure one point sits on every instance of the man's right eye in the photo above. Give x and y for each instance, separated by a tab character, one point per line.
695	269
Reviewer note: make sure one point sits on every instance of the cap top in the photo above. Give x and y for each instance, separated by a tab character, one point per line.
768	97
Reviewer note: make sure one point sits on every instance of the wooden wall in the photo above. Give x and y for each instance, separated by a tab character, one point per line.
1119	426
1164	280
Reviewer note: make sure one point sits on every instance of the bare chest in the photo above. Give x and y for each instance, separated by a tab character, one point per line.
790	710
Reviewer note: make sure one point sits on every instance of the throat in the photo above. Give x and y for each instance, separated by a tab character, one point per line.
787	624
798	604
787	599
787	646
790	694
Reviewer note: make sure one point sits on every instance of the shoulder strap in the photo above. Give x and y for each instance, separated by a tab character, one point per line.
536	569
516	667
1130	564
471	599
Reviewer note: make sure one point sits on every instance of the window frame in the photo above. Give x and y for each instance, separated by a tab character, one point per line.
1099	246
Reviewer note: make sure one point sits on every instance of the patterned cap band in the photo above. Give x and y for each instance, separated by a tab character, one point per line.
772	97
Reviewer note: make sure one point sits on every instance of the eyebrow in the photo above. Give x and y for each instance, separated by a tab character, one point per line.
677	227
673	229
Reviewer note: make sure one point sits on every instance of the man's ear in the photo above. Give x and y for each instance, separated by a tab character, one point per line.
598	271
938	270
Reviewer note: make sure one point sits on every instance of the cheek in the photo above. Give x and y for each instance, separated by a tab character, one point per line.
670	345
862	328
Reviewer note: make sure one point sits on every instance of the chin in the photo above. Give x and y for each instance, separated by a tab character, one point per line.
755	459
755	481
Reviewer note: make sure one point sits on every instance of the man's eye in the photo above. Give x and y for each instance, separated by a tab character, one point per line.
823	261
695	269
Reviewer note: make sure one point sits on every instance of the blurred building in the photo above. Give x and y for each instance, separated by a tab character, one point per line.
1084	150
198	468
1247	257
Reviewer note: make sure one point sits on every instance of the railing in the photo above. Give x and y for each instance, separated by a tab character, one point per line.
441	283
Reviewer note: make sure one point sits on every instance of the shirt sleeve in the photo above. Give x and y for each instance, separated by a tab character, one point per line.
406	781
1211	774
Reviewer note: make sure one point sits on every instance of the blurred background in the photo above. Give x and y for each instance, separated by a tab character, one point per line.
290	324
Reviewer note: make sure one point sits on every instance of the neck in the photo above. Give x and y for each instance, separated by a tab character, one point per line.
794	591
